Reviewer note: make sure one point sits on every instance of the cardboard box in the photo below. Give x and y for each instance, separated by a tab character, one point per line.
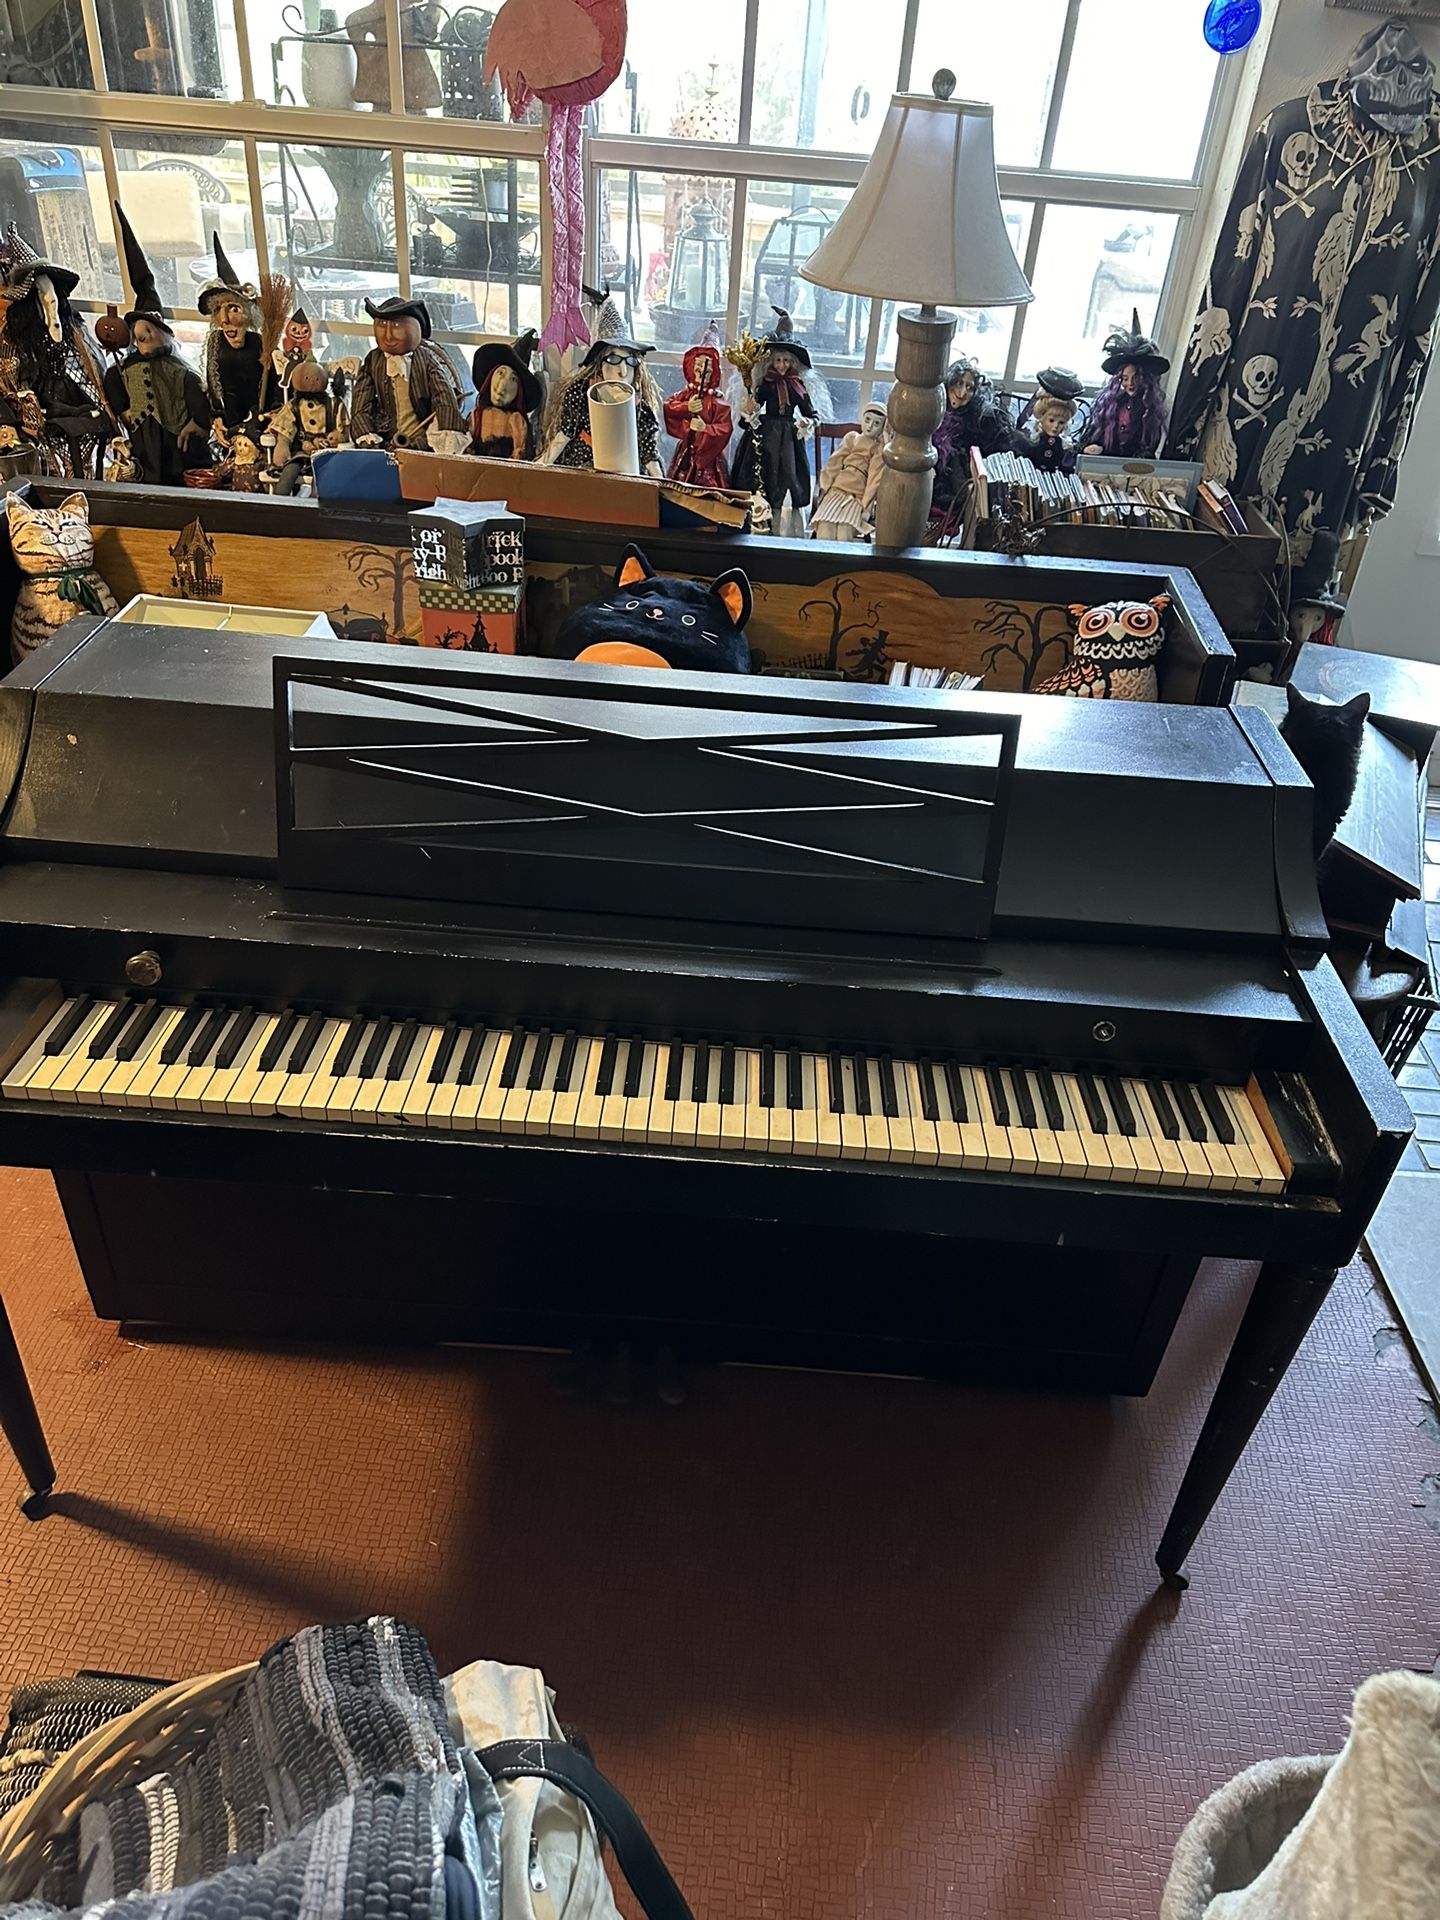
544	493
471	620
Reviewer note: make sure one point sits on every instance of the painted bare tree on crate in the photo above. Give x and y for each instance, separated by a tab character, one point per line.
855	634
384	570
1027	635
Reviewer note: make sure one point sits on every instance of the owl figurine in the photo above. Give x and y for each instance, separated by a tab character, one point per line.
1116	647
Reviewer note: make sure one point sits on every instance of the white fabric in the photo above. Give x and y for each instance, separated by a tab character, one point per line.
550	1852
1353	1839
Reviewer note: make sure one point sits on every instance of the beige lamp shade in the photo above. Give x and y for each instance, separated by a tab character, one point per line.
924	224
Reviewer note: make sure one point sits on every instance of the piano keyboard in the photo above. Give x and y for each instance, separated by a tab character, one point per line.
695	1094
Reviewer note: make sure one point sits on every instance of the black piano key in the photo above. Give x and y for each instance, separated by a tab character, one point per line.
634	1070
1124	1112
1190	1114
889	1092
862	1085
565	1062
727	1076
306	1042
444	1053
539	1060
607	1066
400	1052
236	1034
767	1076
1024	1103
180	1035
997	1096
510	1065
110	1030
837	1084
60	1035
700	1078
955	1087
139	1029
1094	1106
274	1047
794	1080
349	1046
211	1029
1050	1100
1164	1112
375	1048
1220	1121
929	1092
675	1071
470	1059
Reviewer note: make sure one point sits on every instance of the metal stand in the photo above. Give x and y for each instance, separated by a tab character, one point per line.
22	1425
1285	1301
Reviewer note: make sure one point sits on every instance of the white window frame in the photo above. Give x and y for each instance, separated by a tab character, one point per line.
102	113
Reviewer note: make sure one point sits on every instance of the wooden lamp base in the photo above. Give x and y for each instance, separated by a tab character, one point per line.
917	401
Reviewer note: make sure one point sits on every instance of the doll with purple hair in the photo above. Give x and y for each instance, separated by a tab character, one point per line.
1130	413
973	417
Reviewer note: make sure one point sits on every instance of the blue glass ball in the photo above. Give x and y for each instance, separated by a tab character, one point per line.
1231	24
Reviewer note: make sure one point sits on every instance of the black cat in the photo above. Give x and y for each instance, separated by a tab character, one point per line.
1326	741
688	623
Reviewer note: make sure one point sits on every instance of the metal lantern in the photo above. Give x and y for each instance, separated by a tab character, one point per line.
699	288
824	319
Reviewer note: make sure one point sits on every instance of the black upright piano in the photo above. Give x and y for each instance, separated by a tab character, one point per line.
349	989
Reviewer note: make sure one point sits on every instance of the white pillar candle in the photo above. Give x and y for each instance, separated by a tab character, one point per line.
614	437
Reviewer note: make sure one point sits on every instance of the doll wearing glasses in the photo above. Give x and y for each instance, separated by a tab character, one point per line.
567	440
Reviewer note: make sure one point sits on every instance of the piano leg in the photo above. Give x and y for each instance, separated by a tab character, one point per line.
1285	1301
22	1425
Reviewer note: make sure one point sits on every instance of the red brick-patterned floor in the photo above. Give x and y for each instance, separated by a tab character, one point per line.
855	1647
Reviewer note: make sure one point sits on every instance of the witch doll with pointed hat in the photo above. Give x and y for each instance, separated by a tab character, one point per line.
50	354
234	362
507	398
613	357
406	393
772	457
153	392
1130	412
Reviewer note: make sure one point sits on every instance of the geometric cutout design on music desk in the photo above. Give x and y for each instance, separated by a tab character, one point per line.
509	783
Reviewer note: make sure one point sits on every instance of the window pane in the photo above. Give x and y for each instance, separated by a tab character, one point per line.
981	333
824	72
681	80
44	47
784	224
330	225
475	241
55	194
1094	265
1119	115
1003	54
664	248
176	190
184	47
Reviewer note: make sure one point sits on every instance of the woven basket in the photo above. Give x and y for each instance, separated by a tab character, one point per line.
158	1734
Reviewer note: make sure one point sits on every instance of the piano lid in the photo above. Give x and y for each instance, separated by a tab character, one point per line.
156	746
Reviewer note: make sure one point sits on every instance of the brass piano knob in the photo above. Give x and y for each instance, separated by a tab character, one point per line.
1103	1031
143	969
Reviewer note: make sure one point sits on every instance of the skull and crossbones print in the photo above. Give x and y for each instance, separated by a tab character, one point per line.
1258	376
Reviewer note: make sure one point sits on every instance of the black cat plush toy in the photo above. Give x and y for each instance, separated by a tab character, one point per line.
676	623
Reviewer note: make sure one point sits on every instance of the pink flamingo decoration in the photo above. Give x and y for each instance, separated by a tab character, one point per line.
566	53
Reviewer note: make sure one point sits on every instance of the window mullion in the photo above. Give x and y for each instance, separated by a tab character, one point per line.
1062	76
737	257
1032	254
747	71
907	45
402	223
90	15
394	56
242	49
257	205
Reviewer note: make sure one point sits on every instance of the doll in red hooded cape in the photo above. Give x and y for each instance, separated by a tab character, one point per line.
700	421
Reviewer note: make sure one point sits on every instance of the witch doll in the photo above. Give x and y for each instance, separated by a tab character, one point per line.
700	421
619	361
406	393
784	416
507	398
233	361
53	357
1130	412
973	417
155	394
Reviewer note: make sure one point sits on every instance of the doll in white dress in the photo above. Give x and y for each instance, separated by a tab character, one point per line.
845	504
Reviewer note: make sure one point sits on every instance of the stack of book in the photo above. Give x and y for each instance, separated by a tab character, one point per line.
1115	493
947	679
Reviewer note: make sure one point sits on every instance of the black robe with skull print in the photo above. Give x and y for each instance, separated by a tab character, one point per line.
1314	332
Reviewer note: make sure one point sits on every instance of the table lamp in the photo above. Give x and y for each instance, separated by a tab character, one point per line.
924	223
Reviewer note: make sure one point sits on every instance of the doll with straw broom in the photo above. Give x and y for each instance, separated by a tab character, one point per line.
245	328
